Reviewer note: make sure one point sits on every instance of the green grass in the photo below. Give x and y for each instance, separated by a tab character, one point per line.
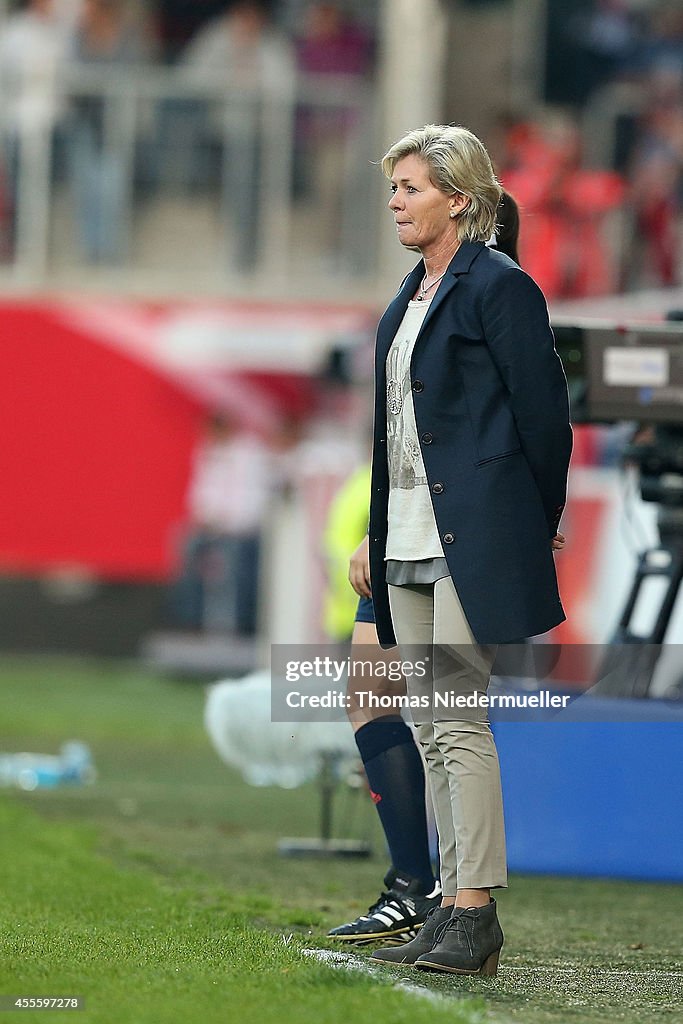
158	895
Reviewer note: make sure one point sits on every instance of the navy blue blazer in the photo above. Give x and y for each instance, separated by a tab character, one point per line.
492	415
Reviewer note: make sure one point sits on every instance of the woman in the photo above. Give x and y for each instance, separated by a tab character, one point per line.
385	743
470	457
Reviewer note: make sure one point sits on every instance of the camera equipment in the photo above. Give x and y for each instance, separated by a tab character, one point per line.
622	372
635	372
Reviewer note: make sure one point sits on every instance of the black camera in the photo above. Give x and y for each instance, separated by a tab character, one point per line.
634	372
623	371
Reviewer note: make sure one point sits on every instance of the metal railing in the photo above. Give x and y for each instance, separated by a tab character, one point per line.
157	178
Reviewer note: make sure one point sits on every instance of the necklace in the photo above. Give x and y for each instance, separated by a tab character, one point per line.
423	291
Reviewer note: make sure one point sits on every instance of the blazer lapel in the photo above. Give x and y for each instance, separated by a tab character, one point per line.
395	311
460	264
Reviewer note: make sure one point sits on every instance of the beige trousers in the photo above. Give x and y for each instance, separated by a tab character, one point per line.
462	762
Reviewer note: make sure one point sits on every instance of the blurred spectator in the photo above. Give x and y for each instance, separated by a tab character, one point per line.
241	48
105	38
331	44
32	50
587	42
230	489
179	20
661	45
244	54
656	181
564	207
606	40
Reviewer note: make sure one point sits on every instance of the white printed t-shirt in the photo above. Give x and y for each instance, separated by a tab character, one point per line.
412	533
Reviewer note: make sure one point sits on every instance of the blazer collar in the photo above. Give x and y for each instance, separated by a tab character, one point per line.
460	264
465	257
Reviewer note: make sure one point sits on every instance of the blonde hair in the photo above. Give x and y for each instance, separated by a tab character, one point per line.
457	162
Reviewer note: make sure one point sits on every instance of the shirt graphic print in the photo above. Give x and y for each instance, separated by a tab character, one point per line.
412	531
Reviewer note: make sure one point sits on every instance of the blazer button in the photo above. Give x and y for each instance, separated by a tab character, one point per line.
448	538
427	438
437	488
418	385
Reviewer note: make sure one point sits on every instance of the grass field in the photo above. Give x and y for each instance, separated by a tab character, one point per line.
157	893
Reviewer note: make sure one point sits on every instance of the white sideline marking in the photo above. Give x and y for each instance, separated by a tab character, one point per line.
653	973
352	962
349	961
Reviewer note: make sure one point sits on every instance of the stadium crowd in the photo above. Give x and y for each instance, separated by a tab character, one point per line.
620	59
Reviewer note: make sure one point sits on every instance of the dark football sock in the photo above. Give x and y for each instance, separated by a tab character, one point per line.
395	774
